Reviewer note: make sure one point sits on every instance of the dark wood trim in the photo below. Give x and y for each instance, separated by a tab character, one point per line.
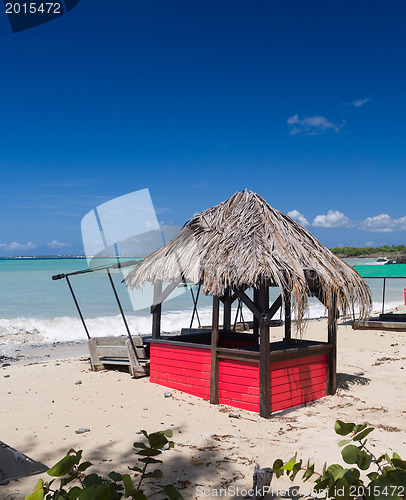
248	302
176	342
299	352
271	311
214	367
227	310
332	340
288	316
255	327
238	355
264	355
156	310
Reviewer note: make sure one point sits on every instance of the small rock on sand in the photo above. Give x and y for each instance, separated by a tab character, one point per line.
82	430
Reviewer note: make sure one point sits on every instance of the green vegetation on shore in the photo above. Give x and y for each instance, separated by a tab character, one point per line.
385	251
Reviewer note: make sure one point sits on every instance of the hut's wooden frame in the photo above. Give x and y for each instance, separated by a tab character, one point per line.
262	314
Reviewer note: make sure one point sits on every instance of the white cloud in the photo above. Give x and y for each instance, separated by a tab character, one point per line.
18	246
58	244
334	218
383	223
359	102
312	125
297	216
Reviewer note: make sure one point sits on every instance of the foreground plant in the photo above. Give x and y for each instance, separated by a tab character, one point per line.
387	481
115	485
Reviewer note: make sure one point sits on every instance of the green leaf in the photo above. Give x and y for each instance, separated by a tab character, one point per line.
364	460
289	465
168	433
84	466
278	473
399	463
296	469
358	428
139	445
372	476
150	460
342	428
172	493
92	480
140	496
135	469
277	464
156	474
66	480
114	476
38	493
308	473
395	455
128	484
74	493
344	441
96	492
363	434
65	465
157	440
350	454
149	452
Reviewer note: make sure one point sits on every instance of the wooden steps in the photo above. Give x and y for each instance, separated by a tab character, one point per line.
107	351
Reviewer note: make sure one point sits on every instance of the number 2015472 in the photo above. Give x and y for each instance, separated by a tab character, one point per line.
33	8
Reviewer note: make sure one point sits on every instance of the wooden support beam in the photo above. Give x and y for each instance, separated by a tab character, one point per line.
264	355
271	311
288	317
332	340
255	319
227	310
248	302
214	368
156	310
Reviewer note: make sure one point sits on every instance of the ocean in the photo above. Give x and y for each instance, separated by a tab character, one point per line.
34	309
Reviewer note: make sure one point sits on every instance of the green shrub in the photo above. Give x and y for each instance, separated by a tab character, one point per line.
115	486
387	481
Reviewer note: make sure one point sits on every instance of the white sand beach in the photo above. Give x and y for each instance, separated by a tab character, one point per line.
45	401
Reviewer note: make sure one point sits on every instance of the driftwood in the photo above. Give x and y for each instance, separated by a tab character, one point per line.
261	482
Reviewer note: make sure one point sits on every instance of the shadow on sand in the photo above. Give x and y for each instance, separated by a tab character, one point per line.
14	464
345	380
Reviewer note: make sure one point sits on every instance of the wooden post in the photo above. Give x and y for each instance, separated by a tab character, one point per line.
288	317
227	310
95	362
255	328
332	340
264	354
214	369
156	310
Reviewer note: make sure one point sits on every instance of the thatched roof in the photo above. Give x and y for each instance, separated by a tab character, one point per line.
243	240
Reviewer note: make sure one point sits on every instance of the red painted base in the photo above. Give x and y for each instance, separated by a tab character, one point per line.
293	382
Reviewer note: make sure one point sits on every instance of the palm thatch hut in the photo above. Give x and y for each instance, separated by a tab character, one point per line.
240	244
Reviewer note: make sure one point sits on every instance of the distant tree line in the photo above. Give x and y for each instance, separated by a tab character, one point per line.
369	251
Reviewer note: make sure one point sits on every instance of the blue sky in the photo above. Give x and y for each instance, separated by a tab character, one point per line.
302	102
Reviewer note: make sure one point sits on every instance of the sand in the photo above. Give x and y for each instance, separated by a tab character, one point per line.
44	402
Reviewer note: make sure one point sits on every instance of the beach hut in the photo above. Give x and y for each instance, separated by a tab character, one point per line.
238	250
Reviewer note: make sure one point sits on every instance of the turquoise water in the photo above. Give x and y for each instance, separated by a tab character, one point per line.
33	307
